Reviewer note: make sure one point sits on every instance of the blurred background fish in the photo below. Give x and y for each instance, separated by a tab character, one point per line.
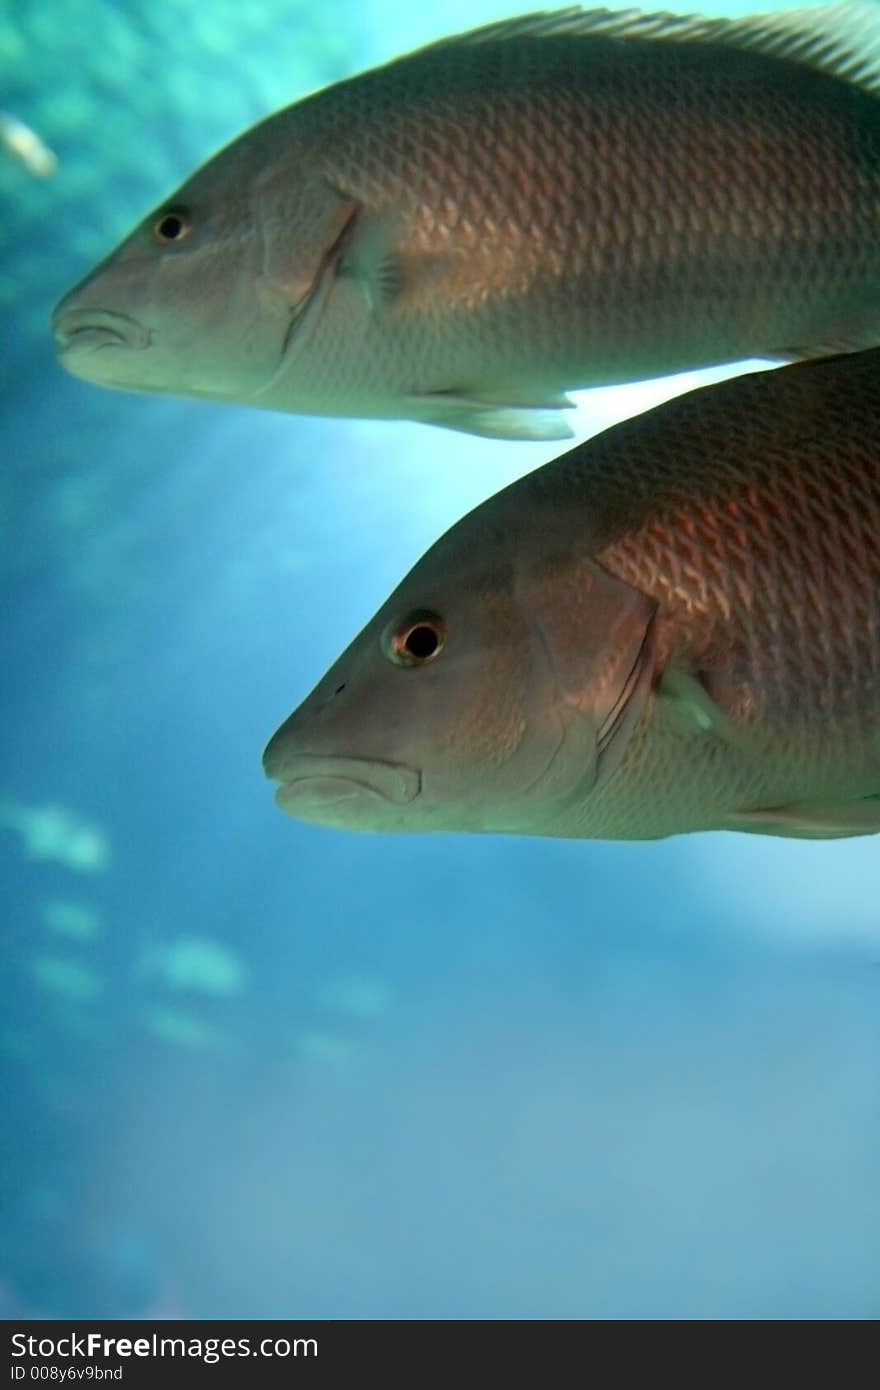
25	145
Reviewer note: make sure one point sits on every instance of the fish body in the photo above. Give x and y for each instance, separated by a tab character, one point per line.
674	627
558	201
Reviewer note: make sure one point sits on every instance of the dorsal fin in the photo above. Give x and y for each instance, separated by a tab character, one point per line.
840	39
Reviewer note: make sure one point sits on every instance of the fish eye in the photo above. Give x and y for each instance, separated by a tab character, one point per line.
420	638
172	226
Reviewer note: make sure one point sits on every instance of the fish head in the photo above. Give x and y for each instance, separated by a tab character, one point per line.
486	695
207	295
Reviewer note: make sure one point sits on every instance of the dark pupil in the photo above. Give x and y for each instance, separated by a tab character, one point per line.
170	227
421	642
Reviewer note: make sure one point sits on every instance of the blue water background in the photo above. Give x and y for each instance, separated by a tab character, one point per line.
254	1068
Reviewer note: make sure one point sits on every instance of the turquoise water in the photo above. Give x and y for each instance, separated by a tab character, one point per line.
253	1068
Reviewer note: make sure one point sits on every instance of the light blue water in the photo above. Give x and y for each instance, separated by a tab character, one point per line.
255	1068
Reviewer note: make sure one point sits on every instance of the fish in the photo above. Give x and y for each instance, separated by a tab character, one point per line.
461	237
25	145
674	627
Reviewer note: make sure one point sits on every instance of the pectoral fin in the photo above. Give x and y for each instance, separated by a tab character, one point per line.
690	708
808	820
374	262
473	413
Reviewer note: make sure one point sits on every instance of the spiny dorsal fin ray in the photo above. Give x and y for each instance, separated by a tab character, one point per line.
840	39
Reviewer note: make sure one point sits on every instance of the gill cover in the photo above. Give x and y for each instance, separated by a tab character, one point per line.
303	228
598	635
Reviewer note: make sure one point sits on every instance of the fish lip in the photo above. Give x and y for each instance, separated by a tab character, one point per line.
79	330
333	778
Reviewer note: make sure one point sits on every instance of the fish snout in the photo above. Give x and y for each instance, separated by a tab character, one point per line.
80	329
321	779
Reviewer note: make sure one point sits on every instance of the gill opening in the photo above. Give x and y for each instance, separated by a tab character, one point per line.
618	709
325	275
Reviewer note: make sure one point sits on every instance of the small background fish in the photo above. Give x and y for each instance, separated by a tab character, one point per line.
25	145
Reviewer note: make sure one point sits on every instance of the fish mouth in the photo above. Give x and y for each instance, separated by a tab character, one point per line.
314	780
90	330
